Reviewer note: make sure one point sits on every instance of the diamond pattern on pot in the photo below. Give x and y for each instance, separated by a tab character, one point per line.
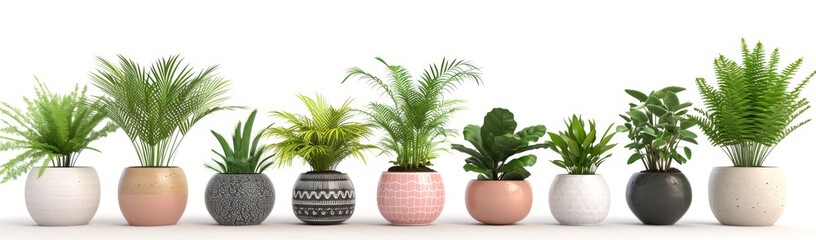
410	198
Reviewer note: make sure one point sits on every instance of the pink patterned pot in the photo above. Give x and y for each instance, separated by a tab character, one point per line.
410	198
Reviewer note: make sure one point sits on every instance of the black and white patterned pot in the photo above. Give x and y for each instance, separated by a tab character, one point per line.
323	198
240	199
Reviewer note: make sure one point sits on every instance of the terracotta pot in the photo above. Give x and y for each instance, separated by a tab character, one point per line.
658	198
579	199
239	199
498	202
62	196
152	196
323	198
410	198
747	196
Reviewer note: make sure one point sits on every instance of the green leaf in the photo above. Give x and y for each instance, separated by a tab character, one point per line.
621	128
518	163
473	168
638	116
687	134
634	158
532	134
473	134
671	100
518	174
687	152
686	124
497	122
673	89
657	110
636	94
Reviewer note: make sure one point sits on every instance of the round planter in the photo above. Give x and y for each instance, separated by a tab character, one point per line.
62	196
323	198
410	198
658	198
152	196
239	199
747	196
579	199
498	202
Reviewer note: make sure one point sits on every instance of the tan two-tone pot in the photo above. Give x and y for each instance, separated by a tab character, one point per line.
152	196
498	202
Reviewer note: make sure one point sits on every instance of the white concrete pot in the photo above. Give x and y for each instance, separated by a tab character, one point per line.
62	196
747	196
579	199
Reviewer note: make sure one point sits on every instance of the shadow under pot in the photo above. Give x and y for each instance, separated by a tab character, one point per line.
747	196
62	196
579	199
152	196
498	202
239	199
410	198
323	198
658	198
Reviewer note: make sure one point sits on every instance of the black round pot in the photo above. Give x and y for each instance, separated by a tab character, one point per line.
323	198
239	199
658	198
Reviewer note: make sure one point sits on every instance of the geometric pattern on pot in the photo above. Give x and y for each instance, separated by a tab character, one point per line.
579	199
747	196
239	199
62	196
410	198
152	196
323	198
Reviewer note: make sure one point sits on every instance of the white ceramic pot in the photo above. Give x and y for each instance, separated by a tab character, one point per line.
579	199
747	196
62	196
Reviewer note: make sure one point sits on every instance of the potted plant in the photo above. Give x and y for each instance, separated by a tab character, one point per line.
50	135
500	195
240	194
747	115
156	107
415	120
323	195
657	123
580	197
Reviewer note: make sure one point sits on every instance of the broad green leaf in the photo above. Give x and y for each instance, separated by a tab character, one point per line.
533	133
634	158
497	122
636	94
687	152
518	174
687	134
673	89
473	168
518	163
657	110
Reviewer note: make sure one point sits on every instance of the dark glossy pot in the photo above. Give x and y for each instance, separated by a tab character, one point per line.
323	198
658	198
239	199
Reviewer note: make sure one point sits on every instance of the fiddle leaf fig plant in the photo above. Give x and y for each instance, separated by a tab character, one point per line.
657	123
495	142
244	156
581	152
752	109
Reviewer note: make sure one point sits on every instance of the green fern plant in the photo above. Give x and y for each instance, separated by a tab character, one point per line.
752	109
157	106
416	118
323	139
54	130
580	154
244	156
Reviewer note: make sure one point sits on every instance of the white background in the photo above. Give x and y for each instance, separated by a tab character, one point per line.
542	60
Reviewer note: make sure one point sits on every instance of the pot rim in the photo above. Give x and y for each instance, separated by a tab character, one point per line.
658	173
410	173
580	175
324	173
733	167
154	167
498	181
240	174
74	167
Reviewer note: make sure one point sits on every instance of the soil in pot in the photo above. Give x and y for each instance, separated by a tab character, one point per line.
323	198
658	198
239	199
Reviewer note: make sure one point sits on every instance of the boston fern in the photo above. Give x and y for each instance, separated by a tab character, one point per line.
54	129
657	124
752	110
322	140
580	154
157	106
495	142
417	115
244	156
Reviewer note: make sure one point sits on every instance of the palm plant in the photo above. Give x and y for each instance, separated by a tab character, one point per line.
55	129
244	157
752	110
416	119
323	139
156	107
495	142
578	149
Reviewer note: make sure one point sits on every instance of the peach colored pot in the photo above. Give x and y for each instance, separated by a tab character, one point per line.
410	198
498	202
152	196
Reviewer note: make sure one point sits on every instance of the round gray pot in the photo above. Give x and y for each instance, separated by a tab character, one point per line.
323	198
658	198
240	199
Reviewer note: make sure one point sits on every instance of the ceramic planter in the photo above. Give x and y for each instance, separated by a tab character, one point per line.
410	198
152	196
239	199
323	198
658	198
747	196
579	199
498	202
62	196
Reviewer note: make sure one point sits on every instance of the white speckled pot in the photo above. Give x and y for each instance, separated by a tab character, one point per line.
747	196
579	199
62	196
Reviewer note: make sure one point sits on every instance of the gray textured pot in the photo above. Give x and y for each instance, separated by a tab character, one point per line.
240	199
323	198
